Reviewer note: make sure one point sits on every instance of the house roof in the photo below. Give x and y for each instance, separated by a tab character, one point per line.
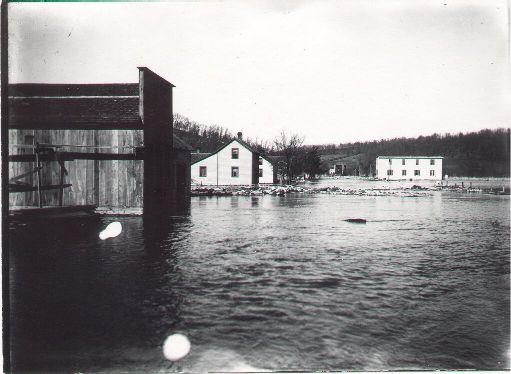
180	144
160	78
245	144
74	106
267	158
196	157
205	155
242	142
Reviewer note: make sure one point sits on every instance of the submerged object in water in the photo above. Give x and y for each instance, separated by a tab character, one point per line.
356	220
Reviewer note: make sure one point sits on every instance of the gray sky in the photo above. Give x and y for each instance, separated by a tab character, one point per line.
333	71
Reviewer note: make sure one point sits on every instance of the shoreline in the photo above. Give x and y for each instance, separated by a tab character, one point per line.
282	190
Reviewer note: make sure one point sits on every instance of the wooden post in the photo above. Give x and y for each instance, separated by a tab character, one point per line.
61	189
96	170
26	167
38	165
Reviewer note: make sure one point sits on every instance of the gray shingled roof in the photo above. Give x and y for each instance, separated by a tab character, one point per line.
74	106
196	157
56	90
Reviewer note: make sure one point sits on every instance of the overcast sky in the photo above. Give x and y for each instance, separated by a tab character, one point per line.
333	71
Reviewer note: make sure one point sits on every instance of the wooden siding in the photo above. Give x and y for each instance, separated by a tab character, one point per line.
105	183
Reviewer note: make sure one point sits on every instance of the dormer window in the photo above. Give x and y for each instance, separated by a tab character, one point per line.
235	153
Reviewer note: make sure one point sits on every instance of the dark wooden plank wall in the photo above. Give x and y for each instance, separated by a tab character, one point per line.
104	183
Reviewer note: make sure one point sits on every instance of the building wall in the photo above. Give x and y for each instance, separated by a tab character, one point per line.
117	183
182	172
219	166
210	163
268	173
397	167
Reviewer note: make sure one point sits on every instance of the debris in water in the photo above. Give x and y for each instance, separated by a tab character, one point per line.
176	347
356	220
111	231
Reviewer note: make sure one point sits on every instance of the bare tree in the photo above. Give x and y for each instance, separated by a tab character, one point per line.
287	145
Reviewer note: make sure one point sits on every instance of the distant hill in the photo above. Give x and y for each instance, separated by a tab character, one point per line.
478	154
485	153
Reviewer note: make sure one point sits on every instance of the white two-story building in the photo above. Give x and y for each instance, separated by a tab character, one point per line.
409	167
236	163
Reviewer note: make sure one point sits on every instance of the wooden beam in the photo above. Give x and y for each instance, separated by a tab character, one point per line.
70	156
25	188
53	212
21	176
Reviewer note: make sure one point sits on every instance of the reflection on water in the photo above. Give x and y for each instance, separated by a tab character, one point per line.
270	283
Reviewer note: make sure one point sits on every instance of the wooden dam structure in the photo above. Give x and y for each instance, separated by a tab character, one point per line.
103	145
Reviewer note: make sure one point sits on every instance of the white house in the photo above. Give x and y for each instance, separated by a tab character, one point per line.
267	174
409	167
236	163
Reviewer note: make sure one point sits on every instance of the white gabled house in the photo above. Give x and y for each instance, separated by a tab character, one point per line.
236	163
409	167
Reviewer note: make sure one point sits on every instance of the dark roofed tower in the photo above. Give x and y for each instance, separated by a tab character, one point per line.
155	110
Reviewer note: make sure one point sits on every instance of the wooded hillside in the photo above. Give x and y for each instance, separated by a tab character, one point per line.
479	154
485	153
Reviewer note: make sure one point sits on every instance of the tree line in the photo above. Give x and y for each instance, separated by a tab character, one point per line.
479	154
208	138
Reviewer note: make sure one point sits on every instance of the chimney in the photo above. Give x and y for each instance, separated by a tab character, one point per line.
240	135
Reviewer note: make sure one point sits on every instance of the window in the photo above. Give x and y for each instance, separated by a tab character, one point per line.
432	162
260	173
203	171
235	153
390	172
417	173
260	160
235	172
417	162
403	162
431	173
403	172
390	161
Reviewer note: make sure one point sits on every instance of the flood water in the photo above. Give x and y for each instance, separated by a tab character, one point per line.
270	283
